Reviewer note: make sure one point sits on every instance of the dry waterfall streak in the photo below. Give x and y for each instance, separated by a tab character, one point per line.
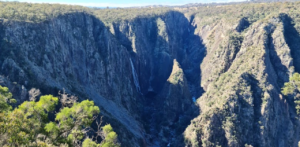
199	75
135	77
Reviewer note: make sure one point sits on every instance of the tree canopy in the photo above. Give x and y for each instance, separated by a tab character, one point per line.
29	124
293	88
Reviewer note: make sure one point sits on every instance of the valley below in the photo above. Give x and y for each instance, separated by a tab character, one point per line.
184	76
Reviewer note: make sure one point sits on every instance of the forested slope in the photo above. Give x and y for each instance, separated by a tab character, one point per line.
186	76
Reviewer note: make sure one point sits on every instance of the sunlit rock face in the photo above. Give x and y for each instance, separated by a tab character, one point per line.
177	78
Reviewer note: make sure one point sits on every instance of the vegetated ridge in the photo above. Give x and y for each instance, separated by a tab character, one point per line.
180	76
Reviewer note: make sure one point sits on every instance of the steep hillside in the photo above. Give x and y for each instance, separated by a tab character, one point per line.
196	76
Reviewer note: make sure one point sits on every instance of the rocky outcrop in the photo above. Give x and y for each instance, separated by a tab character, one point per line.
77	53
152	75
244	105
158	46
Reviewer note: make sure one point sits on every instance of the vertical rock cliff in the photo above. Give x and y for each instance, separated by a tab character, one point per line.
77	53
184	77
243	104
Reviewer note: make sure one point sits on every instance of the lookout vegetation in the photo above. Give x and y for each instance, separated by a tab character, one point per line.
30	123
292	88
252	11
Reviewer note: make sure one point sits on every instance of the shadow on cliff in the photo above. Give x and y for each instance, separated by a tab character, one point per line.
189	51
279	68
153	60
257	102
78	57
158	42
292	38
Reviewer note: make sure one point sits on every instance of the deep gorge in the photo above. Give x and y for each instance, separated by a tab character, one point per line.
180	78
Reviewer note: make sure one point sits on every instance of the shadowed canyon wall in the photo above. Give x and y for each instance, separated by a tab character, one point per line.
176	79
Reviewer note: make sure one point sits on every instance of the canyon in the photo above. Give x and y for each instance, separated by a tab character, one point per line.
179	78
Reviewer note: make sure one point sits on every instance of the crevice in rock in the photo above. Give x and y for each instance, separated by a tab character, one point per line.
253	129
122	38
235	42
195	51
234	45
187	49
257	101
292	38
192	17
242	25
279	68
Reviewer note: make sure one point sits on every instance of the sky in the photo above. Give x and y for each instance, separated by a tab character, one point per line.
121	3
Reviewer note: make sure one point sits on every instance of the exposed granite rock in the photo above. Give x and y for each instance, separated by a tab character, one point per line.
244	105
241	67
77	53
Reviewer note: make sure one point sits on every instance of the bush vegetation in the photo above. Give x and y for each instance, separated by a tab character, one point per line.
293	88
29	123
208	14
